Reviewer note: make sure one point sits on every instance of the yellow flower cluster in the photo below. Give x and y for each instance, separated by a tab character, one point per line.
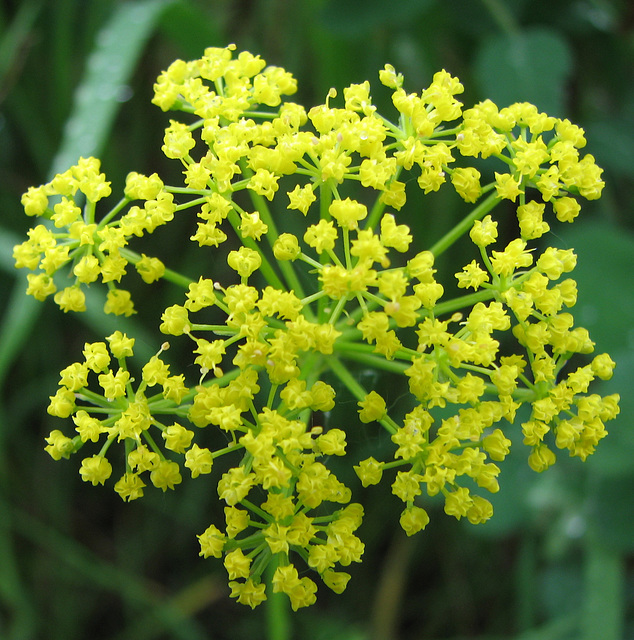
93	249
354	286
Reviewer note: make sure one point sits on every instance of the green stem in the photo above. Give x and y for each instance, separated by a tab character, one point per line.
379	207
465	225
287	268
278	619
365	353
463	301
266	268
113	212
341	371
169	275
190	191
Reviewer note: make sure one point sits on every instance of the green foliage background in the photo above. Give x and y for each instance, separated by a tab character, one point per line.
557	560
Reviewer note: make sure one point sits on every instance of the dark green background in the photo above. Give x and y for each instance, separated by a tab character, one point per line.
556	561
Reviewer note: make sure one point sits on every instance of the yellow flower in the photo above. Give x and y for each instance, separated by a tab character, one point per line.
166	475
114	385
119	302
35	201
466	182
212	542
369	471
472	275
264	183
129	487
95	470
71	299
249	592
321	236
348	212
507	186
458	502
40	286
58	445
237	564
332	443
200	294
142	459
484	232
252	226
413	519
155	371
150	269
566	209
245	261
177	438
87	269
87	427
301	198
140	187
175	321
514	256
178	140
120	345
393	235
372	407
406	486
286	247
541	458
97	356
198	460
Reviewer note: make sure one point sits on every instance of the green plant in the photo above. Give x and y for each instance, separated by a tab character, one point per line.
347	283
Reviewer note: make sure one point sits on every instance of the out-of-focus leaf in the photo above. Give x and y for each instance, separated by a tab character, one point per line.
560	589
13	40
612	511
605	306
7	241
356	17
109	67
17	323
559	628
530	65
605	303
613	144
119	45
603	604
190	28
98	572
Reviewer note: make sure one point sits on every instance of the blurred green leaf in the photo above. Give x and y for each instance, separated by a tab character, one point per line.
17	323
559	628
12	589
356	17
511	506
108	69
188	25
612	143
530	65
95	571
119	45
605	304
612	511
603	604
13	41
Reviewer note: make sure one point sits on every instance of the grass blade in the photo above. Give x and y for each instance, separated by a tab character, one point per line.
110	65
